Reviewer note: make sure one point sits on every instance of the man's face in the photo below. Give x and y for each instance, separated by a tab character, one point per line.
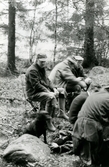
42	63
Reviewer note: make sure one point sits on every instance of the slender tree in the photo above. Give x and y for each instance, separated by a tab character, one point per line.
11	39
55	47
32	36
89	53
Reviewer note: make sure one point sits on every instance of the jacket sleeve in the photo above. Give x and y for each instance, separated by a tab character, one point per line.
75	108
68	76
35	81
48	84
51	86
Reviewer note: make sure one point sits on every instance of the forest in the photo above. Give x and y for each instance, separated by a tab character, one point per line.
71	27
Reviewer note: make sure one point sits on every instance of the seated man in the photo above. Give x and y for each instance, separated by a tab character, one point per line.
69	74
77	103
88	128
38	86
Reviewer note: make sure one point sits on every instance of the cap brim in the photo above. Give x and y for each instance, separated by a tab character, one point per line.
78	58
43	59
70	59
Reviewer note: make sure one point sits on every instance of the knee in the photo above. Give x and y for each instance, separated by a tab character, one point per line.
51	96
62	92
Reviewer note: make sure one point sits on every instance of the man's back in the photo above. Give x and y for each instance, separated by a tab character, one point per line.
59	73
55	75
96	107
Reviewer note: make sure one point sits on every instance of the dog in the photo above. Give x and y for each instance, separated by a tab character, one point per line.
40	125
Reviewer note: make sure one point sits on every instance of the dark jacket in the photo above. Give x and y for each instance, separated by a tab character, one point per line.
76	105
37	81
97	107
77	69
93	116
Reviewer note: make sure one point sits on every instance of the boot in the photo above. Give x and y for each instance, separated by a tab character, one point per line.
62	113
50	110
50	125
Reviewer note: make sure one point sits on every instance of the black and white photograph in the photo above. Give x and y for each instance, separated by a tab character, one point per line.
54	83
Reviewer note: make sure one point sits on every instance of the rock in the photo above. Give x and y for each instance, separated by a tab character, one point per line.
26	149
98	70
100	75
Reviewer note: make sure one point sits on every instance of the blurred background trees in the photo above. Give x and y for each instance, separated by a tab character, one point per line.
70	27
11	38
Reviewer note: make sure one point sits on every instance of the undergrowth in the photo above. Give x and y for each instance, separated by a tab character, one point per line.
15	113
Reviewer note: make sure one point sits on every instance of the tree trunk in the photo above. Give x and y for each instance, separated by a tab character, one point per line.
55	47
11	40
89	53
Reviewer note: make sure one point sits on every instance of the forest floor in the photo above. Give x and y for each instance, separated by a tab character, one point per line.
13	109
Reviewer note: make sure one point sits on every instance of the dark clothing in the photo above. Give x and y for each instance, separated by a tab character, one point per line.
92	118
37	81
77	69
76	106
73	88
93	115
87	129
96	108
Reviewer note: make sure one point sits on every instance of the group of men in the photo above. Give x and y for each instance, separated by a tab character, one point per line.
66	77
89	110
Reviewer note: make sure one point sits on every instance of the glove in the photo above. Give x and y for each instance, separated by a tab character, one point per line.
88	81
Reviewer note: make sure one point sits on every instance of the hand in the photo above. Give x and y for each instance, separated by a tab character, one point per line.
88	80
56	92
83	85
52	95
80	78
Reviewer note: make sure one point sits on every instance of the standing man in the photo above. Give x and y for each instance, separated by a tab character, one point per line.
39	88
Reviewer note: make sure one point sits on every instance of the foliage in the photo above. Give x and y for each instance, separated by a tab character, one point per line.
70	28
17	113
71	25
4	28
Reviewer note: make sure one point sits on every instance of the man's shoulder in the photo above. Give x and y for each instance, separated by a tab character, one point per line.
57	67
